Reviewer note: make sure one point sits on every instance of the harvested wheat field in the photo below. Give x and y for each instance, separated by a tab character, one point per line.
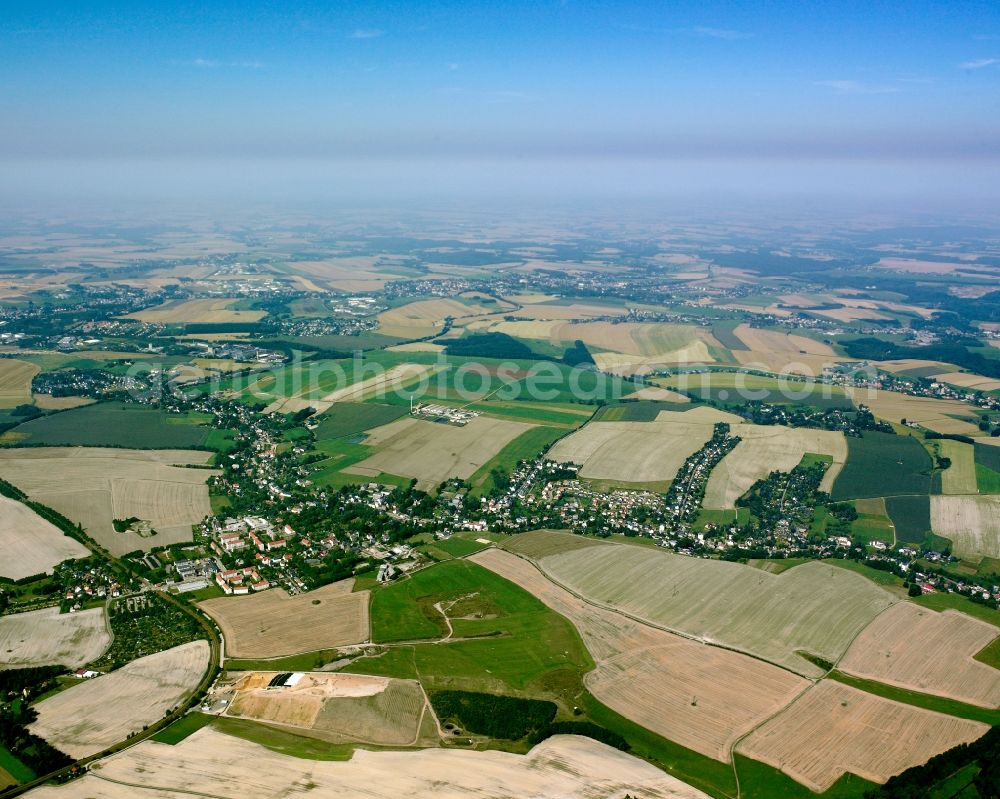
960	477
195	311
969	380
340	708
758	340
785	363
972	524
44	637
95	714
432	452
922	650
813	607
766	448
934	414
422	318
658	393
835	729
15	382
273	624
539	543
702	697
93	486
49	403
561	767
639	452
30	544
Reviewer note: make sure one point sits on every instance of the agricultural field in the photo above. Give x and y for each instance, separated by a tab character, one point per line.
766	448
835	729
273	624
640	452
425	318
812	608
541	543
15	382
739	387
44	637
350	418
30	544
196	311
432	452
960	477
972	524
104	710
910	516
922	650
561	767
112	424
941	416
883	465
339	708
660	394
49	403
703	697
93	486
968	380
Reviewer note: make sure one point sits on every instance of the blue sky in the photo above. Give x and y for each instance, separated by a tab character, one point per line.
914	81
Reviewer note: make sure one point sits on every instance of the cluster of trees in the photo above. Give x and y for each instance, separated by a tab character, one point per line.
17	687
920	782
488	345
497	716
874	349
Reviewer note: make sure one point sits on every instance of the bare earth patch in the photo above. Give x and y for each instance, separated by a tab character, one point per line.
30	544
273	624
834	729
95	714
46	637
923	650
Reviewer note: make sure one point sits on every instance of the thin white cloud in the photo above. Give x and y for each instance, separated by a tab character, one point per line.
855	87
211	63
979	63
453	66
367	33
721	33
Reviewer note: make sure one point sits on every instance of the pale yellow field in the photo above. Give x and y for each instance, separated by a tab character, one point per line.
95	714
967	380
758	340
790	363
934	414
92	486
49	403
422	318
905	364
433	452
972	524
30	544
638	452
703	697
561	767
765	448
567	312
273	624
340	708
417	346
922	650
658	393
194	311
834	729
812	608
44	637
960	477
15	382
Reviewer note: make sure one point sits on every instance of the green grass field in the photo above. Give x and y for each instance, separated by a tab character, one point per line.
306	661
183	727
283	741
459	547
350	418
15	767
638	410
526	446
911	516
883	465
939	601
987	480
112	424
